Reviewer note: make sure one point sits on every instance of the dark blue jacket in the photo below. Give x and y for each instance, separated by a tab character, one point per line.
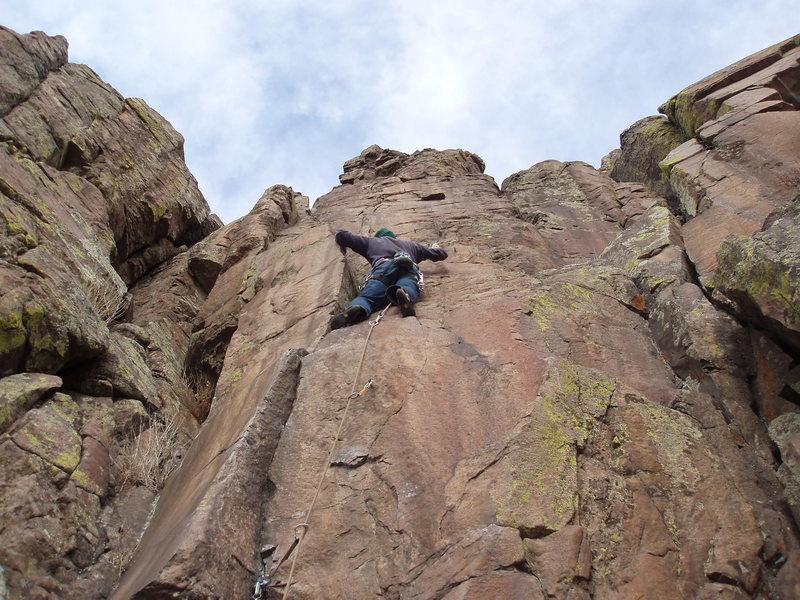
374	248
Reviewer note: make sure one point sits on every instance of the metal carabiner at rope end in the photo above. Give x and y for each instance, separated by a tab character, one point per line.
261	588
303	526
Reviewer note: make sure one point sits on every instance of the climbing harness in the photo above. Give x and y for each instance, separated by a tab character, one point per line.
264	582
404	261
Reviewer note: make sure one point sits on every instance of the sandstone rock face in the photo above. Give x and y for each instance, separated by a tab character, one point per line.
598	397
93	193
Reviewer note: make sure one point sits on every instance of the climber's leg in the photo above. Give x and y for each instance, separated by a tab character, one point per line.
405	292
371	298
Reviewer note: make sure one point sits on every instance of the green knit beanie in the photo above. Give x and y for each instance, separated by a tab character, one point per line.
385	232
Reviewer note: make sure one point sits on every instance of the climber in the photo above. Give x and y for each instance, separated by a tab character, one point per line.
395	275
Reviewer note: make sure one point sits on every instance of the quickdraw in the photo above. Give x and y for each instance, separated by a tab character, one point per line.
264	582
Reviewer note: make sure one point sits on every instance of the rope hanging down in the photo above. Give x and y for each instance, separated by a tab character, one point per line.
353	395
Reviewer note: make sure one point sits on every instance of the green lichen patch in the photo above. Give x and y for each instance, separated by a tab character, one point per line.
21	391
749	271
620	437
248	278
45	339
649	251
541	306
487	227
83	481
558	302
150	118
690	114
19	227
674	437
66	408
158	210
585	394
541	492
234	379
48	433
12	332
542	465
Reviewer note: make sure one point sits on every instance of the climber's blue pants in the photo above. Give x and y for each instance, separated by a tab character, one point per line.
382	286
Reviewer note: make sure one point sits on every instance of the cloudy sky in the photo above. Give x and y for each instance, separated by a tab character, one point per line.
285	91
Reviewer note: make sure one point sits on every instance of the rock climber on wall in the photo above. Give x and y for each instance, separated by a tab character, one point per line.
395	276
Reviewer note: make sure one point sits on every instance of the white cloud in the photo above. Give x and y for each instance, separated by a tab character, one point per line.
285	91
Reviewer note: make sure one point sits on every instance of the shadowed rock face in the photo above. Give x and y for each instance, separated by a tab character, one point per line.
598	397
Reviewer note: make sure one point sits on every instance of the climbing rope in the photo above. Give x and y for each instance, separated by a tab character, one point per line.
303	527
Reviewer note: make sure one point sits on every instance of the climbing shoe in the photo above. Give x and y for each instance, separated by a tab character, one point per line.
351	316
404	302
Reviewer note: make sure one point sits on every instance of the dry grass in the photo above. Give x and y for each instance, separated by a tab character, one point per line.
109	302
202	387
148	458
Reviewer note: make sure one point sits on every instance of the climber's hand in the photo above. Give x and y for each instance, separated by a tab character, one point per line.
435	245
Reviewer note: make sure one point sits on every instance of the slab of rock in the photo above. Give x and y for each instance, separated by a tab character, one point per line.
93	472
785	432
50	433
440	458
572	206
512	585
30	507
28	59
20	392
744	163
561	560
773	67
253	396
94	187
487	550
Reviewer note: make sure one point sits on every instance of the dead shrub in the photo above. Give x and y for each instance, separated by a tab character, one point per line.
151	455
109	302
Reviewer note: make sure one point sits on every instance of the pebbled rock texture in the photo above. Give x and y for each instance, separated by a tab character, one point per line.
598	398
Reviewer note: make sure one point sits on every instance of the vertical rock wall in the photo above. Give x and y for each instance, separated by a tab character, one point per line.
598	397
94	409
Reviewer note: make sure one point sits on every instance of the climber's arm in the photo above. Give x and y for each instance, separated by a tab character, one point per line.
356	243
434	253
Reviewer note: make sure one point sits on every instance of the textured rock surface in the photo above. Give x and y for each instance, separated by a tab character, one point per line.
642	147
599	397
743	162
93	193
